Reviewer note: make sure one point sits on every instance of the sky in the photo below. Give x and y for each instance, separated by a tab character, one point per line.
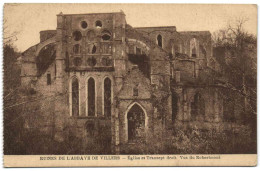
29	19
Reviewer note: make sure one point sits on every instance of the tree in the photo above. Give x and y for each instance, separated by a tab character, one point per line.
11	85
236	51
9	36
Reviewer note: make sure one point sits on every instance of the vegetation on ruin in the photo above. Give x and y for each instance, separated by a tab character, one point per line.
239	71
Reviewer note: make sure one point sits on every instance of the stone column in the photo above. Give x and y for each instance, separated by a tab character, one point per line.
61	103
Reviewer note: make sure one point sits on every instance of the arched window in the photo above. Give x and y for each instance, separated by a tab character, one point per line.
159	40
176	50
75	97
91	97
77	35
106	35
94	49
98	24
174	106
193	47
48	79
197	106
136	124
84	24
107	97
194	53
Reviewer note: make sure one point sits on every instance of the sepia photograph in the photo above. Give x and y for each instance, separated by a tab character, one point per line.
122	81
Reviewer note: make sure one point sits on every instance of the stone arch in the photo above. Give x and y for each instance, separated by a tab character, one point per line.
142	60
72	91
193	47
106	35
91	102
91	84
105	90
140	44
177	45
43	44
145	120
45	58
159	40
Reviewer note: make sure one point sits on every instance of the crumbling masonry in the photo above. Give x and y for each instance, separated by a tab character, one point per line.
107	75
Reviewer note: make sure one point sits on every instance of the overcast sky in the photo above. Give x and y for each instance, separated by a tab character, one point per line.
30	19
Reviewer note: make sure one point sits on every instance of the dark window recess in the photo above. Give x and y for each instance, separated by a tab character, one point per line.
98	24
48	79
94	49
75	97
106	61
136	124
91	97
194	53
135	91
142	61
77	35
197	106
45	58
77	61
159	40
174	106
92	61
76	49
106	35
107	97
84	24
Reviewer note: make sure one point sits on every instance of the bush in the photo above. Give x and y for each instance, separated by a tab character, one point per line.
194	141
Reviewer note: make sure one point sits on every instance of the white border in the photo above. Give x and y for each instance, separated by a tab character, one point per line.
126	1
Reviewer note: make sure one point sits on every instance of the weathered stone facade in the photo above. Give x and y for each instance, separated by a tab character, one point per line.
99	68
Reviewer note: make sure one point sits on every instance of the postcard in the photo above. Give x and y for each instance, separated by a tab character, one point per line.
130	85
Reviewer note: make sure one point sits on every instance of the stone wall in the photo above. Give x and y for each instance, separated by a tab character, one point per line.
46	34
170	72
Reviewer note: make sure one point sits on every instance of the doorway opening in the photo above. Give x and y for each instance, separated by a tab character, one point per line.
136	124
